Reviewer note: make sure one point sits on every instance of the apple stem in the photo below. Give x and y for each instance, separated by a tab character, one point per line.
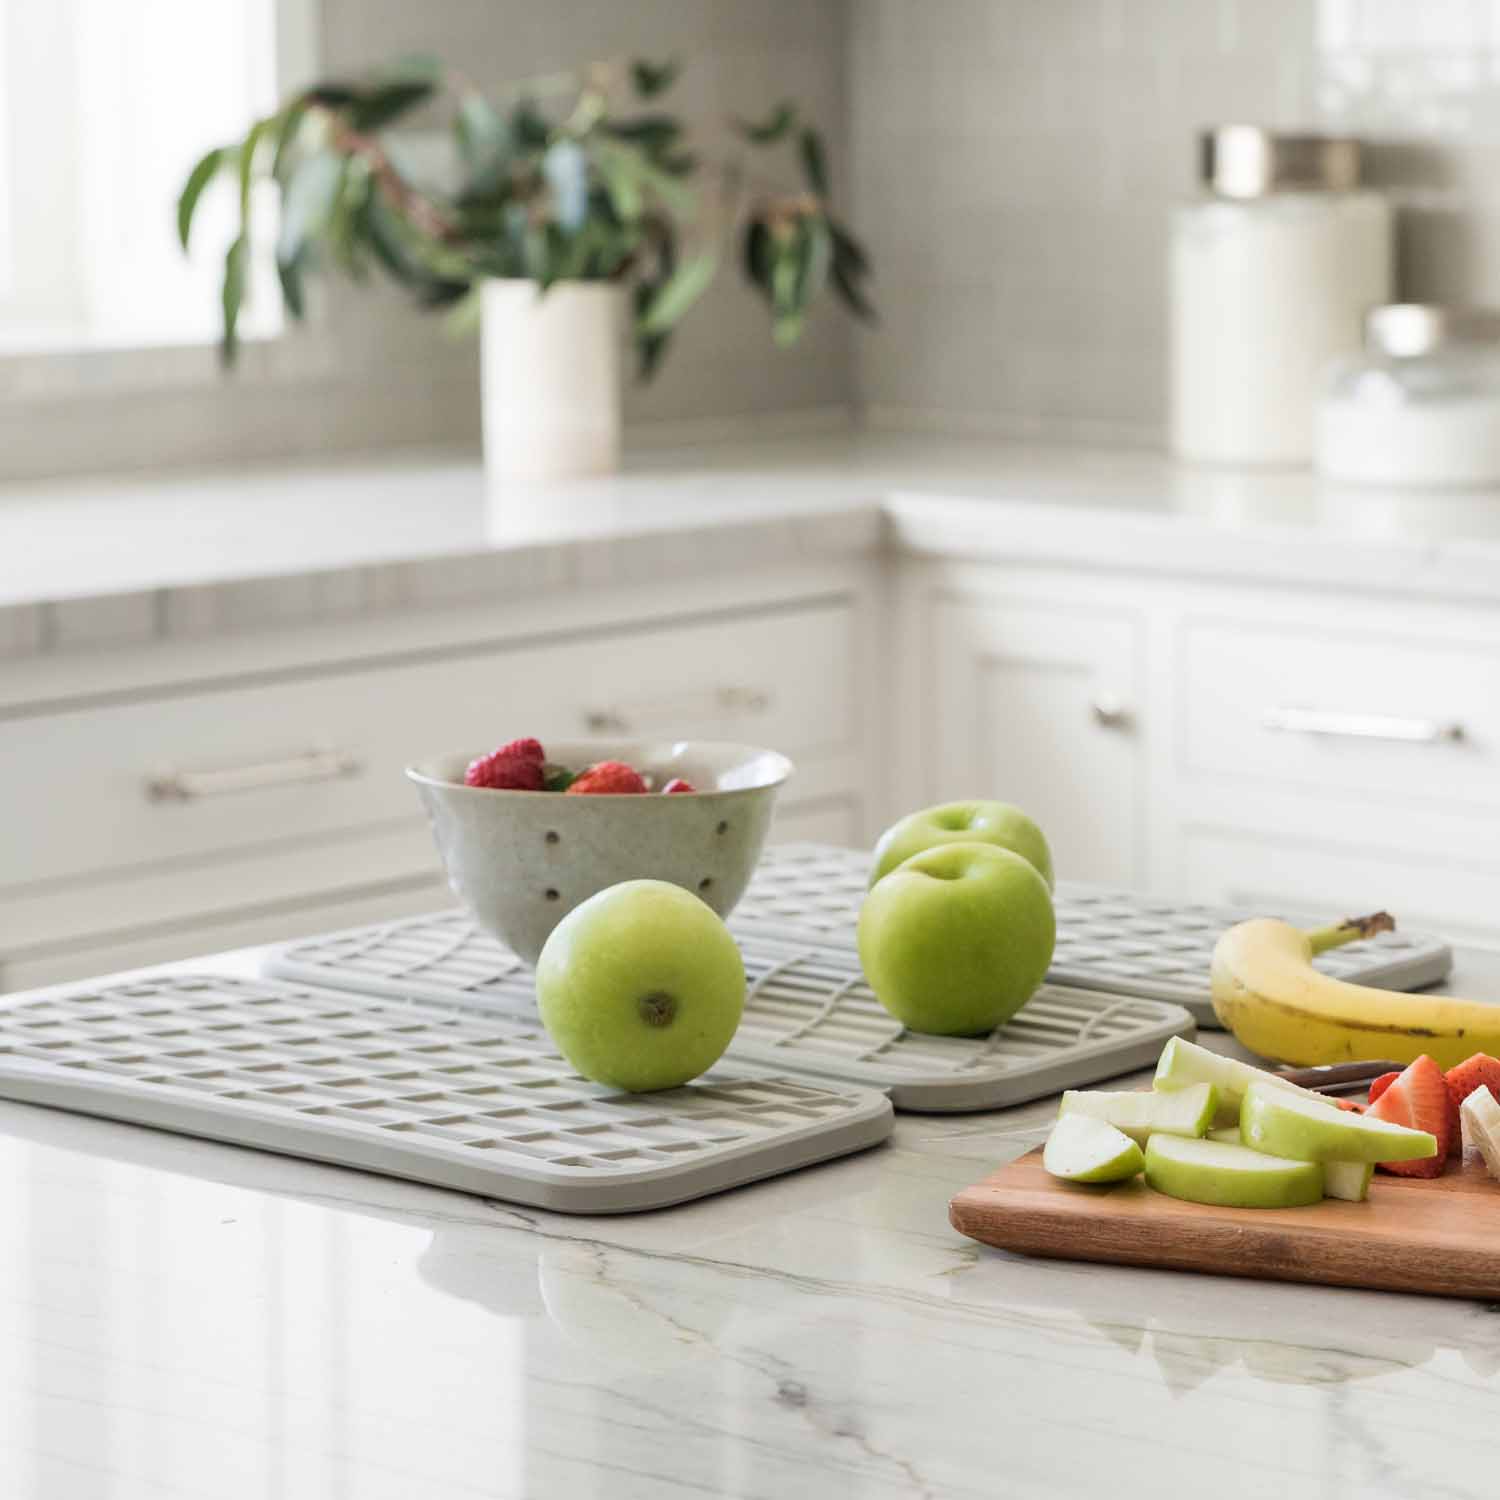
1350	930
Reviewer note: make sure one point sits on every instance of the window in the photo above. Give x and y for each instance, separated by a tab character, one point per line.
104	107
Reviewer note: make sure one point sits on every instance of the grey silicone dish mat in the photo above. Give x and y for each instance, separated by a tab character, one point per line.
1106	939
483	1105
808	1011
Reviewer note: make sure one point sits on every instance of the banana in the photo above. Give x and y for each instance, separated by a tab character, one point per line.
1266	991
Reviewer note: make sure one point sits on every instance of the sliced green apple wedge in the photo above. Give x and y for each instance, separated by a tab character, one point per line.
1140	1115
1349	1180
1183	1063
1310	1129
1228	1175
1083	1149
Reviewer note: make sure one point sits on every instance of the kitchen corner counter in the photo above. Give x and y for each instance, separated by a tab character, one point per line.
88	563
183	1318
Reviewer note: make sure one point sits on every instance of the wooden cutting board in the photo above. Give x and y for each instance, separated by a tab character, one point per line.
1440	1237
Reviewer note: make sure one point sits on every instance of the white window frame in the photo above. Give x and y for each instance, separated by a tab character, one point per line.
304	352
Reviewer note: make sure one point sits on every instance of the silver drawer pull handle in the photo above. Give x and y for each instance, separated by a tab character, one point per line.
1110	712
714	702
1363	726
189	786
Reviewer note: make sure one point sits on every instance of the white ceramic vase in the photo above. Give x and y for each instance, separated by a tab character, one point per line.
550	379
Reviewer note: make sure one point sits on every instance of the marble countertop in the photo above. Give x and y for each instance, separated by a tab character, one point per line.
189	1319
356	534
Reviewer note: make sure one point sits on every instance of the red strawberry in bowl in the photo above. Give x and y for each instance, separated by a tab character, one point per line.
1420	1099
608	778
677	784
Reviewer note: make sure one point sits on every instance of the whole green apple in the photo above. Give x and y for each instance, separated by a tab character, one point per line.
641	986
995	823
956	940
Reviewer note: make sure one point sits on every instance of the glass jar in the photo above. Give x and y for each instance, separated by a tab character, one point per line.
1421	406
1272	269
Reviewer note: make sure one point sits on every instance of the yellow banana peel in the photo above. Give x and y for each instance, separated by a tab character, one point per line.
1268	994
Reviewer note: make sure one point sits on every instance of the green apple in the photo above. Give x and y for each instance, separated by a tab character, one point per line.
641	986
1140	1115
1081	1149
1311	1129
1183	1062
958	939
1230	1176
995	823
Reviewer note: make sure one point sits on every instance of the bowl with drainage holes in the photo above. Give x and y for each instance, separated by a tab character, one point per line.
521	861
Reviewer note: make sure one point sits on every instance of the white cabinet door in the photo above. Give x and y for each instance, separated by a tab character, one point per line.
1038	705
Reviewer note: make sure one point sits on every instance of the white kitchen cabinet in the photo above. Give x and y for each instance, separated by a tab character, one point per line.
1038	705
266	798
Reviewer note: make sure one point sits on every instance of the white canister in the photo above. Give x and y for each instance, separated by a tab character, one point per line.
550	374
1421	407
1273	268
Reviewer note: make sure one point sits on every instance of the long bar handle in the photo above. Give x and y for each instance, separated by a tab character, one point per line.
1288	720
184	785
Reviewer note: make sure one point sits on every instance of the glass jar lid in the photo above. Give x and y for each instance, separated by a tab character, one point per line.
1247	161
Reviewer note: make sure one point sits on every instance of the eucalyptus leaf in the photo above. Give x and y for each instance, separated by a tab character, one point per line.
678	293
847	250
484	140
232	295
307	203
528	126
251	145
287	134
651	79
204	171
289	274
653	133
566	170
379	106
772	129
814	161
848	288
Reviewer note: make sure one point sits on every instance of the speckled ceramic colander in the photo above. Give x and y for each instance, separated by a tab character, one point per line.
521	861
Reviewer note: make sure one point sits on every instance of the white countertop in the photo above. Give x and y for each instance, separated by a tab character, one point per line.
189	1319
364	533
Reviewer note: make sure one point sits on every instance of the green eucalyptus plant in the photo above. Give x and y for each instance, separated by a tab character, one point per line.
561	185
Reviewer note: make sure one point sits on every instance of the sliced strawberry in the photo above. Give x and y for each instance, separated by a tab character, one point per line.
677	784
1353	1105
1480	1071
1378	1086
1420	1100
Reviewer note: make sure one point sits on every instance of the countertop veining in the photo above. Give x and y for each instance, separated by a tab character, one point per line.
84	560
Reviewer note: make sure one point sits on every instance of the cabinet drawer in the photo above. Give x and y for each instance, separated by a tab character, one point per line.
203	774
1350	714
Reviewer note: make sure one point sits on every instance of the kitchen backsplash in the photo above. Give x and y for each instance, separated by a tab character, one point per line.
1016	160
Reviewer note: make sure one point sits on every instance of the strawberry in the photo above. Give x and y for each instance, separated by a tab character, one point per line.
677	784
526	749
1420	1100
1352	1105
1378	1086
607	778
1480	1071
505	773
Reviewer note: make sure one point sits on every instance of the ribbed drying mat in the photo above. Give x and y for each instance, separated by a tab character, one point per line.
1106	939
485	1106
809	1011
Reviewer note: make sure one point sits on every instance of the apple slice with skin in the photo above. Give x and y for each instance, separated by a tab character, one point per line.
1349	1180
1183	1062
1228	1175
1309	1129
1083	1149
1480	1118
1140	1114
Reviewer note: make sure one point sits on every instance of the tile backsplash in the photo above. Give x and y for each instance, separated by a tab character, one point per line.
1015	161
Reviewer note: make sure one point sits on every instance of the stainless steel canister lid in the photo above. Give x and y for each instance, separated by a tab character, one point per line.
1245	161
1406	330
